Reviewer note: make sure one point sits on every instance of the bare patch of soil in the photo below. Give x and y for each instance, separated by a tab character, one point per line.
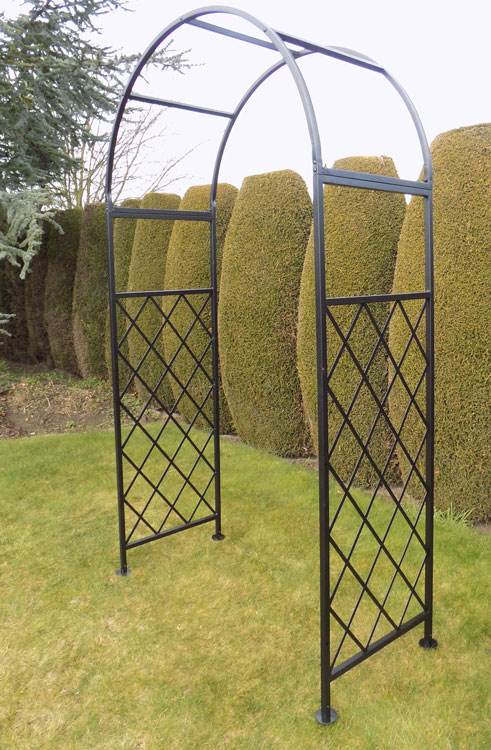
33	408
35	400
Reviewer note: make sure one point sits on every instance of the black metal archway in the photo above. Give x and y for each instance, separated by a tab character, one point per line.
182	474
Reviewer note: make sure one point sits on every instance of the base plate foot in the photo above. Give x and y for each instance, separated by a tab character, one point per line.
428	643
123	573
332	716
218	537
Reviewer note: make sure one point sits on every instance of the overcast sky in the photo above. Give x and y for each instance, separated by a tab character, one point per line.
437	49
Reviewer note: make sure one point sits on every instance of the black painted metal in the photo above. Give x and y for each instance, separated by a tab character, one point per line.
172	517
179	105
392	568
404	601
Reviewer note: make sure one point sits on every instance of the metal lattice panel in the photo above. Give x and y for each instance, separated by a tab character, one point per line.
168	465
377	583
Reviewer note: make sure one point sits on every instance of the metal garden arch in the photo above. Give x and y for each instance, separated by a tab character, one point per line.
133	469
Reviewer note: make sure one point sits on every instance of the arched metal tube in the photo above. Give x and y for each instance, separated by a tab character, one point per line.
240	106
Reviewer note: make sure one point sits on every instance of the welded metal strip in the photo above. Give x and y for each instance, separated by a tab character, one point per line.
179	105
230	33
162	293
376	646
339	53
121	212
169	532
330	301
384	179
373	182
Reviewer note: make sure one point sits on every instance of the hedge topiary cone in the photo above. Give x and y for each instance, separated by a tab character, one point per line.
188	267
62	251
262	264
124	233
146	273
462	239
90	293
361	232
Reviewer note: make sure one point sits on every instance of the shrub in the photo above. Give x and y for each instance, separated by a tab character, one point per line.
4	303
146	273
15	346
188	267
62	251
262	264
123	236
462	238
90	293
361	232
38	345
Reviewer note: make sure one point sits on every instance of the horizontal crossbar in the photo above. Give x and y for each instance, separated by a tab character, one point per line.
345	666
162	293
331	301
168	532
233	34
339	53
179	105
369	181
120	212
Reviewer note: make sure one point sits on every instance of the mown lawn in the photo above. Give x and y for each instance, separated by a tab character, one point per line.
211	645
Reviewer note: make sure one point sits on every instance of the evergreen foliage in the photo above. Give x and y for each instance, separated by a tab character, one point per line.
38	345
124	233
22	224
262	265
90	293
147	273
462	238
361	232
55	81
188	267
5	316
62	252
16	345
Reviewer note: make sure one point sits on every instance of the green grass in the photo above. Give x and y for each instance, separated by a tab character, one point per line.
211	645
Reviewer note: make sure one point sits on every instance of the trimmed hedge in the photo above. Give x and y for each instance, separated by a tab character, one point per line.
188	267
124	234
4	302
361	232
62	251
15	346
462	240
90	293
262	265
146	273
38	345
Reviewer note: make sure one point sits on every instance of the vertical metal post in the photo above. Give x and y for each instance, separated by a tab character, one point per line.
124	570
217	536
428	641
325	715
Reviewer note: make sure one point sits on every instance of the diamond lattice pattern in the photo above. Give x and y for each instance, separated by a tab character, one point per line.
168	464
377	577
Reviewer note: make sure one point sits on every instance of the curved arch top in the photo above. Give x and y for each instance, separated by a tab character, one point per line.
276	41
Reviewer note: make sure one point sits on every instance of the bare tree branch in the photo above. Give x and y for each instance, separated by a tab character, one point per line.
137	142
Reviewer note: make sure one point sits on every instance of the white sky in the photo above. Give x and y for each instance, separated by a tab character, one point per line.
439	50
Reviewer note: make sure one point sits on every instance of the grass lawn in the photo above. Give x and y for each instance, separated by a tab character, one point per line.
211	645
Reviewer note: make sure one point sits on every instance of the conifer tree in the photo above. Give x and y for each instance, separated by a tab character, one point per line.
54	79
